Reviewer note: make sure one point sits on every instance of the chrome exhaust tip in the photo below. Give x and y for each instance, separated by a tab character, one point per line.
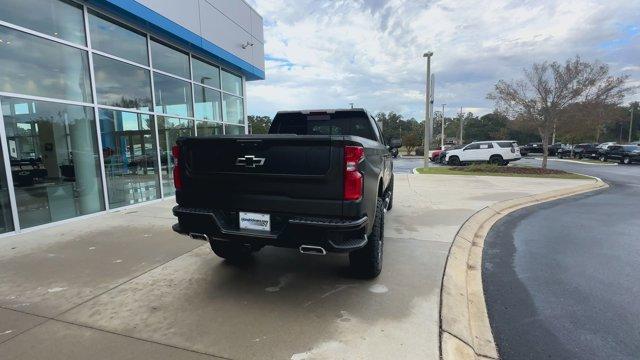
197	236
312	250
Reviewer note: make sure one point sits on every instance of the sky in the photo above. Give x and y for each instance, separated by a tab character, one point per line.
326	54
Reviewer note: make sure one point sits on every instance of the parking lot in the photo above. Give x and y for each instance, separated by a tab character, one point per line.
123	285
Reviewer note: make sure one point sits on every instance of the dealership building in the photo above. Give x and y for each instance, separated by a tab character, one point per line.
94	93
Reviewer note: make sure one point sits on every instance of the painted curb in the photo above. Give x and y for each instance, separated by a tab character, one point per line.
465	331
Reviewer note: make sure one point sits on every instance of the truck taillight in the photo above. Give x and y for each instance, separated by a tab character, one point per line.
353	181
177	178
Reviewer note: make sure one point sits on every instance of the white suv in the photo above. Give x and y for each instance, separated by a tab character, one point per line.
494	152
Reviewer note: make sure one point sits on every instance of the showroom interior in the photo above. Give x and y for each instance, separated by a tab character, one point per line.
92	100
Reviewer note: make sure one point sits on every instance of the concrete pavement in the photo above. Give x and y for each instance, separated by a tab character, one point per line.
124	285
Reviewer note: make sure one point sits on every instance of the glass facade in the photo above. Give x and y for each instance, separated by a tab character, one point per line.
91	108
169	130
130	157
35	66
53	153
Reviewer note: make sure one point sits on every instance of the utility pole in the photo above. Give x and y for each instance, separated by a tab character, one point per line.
461	125
427	116
432	94
631	123
442	129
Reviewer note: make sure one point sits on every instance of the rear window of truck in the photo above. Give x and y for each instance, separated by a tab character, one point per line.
339	123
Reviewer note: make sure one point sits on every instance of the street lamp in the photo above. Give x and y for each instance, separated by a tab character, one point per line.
427	114
631	122
442	129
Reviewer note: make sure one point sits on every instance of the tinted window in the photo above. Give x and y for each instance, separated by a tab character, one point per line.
169	60
121	84
472	147
206	74
205	128
169	130
35	66
232	108
55	18
54	159
130	157
231	83
173	96
208	103
340	123
505	144
630	147
233	130
109	37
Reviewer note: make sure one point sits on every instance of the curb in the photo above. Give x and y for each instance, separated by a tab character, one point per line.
579	162
465	332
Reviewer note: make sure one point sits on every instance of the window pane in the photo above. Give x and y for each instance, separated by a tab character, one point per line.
208	128
234	130
169	130
121	84
54	160
208	104
231	83
169	60
130	157
55	18
206	74
173	96
35	66
6	220
117	40
232	107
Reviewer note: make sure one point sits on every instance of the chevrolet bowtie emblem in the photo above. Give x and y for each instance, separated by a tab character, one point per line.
249	161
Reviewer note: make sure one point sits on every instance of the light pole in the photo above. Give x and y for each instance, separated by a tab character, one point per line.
631	122
442	129
461	125
427	116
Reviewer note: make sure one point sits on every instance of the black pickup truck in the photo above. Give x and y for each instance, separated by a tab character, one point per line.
320	181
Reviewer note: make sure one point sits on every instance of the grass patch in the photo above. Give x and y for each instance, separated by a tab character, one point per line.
494	170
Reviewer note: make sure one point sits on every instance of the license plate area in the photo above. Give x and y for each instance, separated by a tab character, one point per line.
254	221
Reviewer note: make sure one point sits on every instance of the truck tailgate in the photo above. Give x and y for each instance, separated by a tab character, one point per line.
274	173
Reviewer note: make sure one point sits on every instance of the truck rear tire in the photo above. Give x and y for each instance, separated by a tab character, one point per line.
366	263
231	251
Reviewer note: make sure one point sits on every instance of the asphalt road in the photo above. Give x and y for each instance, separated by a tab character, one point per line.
562	279
405	165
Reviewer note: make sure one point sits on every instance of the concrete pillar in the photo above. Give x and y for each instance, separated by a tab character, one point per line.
83	151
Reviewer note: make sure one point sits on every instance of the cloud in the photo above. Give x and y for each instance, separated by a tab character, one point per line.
322	54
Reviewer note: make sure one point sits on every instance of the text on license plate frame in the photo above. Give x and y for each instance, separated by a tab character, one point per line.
254	221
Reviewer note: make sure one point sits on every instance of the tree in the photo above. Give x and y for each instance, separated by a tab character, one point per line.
549	88
259	124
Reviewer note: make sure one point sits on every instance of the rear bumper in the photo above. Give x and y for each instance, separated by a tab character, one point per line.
291	231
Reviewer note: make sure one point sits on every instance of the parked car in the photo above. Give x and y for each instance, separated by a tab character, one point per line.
586	150
625	154
531	148
435	155
494	152
553	149
443	155
565	151
320	181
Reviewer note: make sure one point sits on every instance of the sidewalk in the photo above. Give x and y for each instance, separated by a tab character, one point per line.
124	286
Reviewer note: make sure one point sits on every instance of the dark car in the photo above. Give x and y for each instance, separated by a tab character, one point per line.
586	150
565	151
625	154
320	181
531	148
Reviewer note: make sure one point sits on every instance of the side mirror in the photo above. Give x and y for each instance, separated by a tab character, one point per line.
395	143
